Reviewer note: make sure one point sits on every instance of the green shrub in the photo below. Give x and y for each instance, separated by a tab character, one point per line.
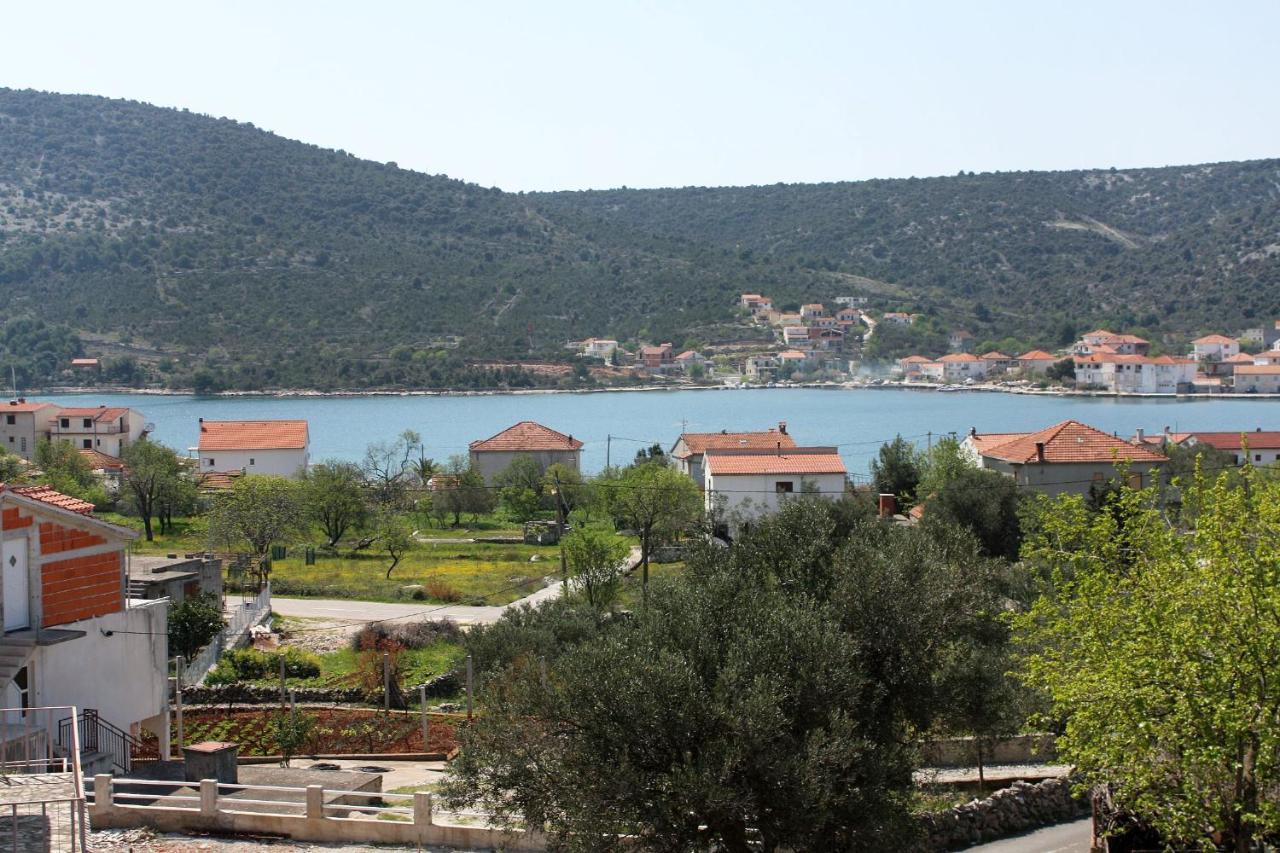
256	665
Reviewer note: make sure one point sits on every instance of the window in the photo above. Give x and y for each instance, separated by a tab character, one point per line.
1257	457
23	443
65	423
209	462
11	419
88	444
22	681
784	487
250	460
88	422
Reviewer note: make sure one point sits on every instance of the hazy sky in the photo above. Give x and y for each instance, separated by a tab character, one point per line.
564	95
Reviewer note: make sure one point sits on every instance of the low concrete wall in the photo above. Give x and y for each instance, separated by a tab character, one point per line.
963	751
1009	811
217	815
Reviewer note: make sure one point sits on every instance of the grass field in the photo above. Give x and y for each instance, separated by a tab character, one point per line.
340	668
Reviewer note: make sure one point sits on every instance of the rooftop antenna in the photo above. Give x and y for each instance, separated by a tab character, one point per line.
13	381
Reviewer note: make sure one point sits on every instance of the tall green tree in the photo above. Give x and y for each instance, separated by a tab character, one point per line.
1160	647
333	494
65	469
655	501
152	472
595	560
256	513
896	469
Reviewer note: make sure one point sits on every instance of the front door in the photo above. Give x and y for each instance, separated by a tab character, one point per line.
17	600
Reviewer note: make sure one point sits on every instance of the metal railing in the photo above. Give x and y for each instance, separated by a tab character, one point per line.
28	755
95	734
244	617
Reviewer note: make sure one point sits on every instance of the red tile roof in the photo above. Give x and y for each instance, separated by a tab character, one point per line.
23	406
217	481
46	495
102	461
1239	358
1256	439
959	356
1068	442
1257	369
915	359
1036	355
1215	339
995	355
701	442
796	460
526	436
253	435
98	413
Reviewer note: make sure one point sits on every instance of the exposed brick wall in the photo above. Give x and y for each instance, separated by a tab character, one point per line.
12	519
82	587
54	538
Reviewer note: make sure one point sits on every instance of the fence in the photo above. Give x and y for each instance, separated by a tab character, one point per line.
313	813
244	617
43	802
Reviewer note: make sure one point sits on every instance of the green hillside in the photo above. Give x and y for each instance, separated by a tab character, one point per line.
190	249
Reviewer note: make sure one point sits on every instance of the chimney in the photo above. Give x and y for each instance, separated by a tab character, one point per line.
779	448
1166	430
1040	452
973	432
1142	434
888	506
782	427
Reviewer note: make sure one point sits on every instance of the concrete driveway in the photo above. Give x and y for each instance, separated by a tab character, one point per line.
359	612
1064	838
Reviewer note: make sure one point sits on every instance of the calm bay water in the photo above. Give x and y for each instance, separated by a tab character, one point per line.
855	420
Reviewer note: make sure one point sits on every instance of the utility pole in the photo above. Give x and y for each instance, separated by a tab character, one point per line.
930	445
564	565
608	450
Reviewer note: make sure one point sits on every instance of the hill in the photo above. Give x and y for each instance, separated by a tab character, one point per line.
195	250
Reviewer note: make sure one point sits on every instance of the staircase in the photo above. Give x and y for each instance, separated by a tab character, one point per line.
137	588
102	745
14	654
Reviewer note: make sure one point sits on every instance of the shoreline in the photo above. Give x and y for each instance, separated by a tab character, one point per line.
304	393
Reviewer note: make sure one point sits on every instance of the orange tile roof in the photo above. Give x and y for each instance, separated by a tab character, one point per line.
1068	442
23	406
1036	355
217	481
46	495
701	442
1257	439
959	356
1215	339
983	441
253	435
526	436
1169	359
798	460
1239	358
98	413
1257	369
914	359
792	355
995	355
101	461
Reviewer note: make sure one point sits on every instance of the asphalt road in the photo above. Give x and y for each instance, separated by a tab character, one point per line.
358	612
1064	838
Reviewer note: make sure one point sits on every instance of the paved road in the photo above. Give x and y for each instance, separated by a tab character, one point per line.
357	612
1064	838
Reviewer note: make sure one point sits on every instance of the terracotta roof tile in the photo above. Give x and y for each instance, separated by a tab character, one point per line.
526	436
46	495
1239	358
102	461
217	481
253	435
995	355
1257	369
701	442
1069	442
1215	339
1036	355
1256	439
25	406
959	356
797	460
98	413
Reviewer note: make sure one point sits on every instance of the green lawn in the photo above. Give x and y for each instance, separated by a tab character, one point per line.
339	669
460	572
189	535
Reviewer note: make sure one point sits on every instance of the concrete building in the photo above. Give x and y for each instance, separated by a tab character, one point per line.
176	578
72	635
1035	361
492	456
106	429
1257	379
255	447
743	484
1214	348
959	366
1257	446
24	425
1066	458
689	449
763	368
1135	374
601	348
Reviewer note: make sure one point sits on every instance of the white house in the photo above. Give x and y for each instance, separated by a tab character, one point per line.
106	429
687	453
959	366
1214	348
1035	361
71	634
740	484
1066	458
493	455
1135	374
255	447
602	348
1257	379
24	425
761	367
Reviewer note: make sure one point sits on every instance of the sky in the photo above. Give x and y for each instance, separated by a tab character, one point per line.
555	95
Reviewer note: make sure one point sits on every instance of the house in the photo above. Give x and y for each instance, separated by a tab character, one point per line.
1264	336
1113	343
1271	356
959	366
760	367
998	362
933	371
796	336
1256	379
851	300
1035	361
1214	348
1135	374
688	359
657	359
823	322
255	447
794	360
1066	458
847	317
89	364
109	468
601	348
494	455
72	634
745	483
687	453
789	319
900	317
961	340
1257	447
910	366
812	311
826	339
755	303
109	429
24	425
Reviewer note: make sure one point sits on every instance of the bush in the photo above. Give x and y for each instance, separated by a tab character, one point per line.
194	623
410	635
255	665
441	591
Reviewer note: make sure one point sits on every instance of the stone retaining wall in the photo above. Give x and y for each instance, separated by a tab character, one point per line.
1011	810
